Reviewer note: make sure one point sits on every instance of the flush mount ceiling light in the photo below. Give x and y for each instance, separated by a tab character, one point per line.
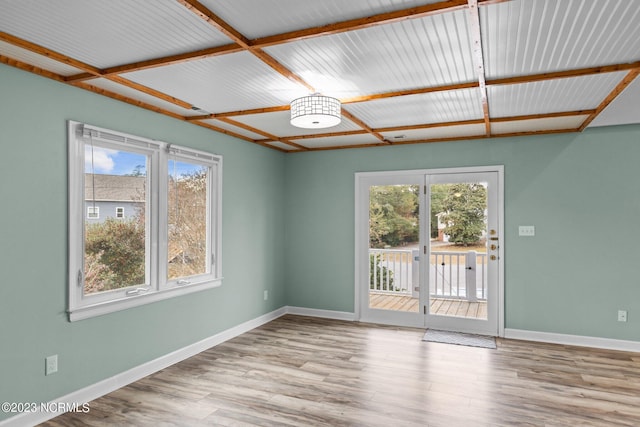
315	112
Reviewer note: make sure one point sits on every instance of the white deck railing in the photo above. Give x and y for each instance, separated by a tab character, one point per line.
451	274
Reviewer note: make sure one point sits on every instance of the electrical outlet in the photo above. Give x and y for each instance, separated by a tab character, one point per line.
266	295
527	230
51	365
622	315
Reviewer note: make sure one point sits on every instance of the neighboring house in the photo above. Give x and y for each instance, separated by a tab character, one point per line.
112	196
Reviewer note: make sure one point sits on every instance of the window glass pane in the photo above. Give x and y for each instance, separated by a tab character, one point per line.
187	219
93	212
115	250
458	283
143	220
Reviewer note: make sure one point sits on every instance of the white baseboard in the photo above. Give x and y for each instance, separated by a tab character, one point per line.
325	314
577	340
134	374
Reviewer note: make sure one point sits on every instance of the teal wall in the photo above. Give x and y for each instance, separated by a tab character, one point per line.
33	243
288	227
581	191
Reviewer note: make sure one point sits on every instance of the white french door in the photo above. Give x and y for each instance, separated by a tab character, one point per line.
389	238
428	249
462	256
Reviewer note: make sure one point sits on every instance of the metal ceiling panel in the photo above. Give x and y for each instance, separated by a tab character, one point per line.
441	132
569	94
624	108
538	36
434	107
339	141
137	95
278	124
519	38
34	59
537	125
260	18
426	52
109	33
282	145
235	129
223	83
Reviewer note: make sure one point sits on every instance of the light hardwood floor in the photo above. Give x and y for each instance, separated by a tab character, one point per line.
315	372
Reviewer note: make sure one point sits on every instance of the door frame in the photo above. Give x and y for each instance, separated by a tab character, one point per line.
362	311
362	181
485	326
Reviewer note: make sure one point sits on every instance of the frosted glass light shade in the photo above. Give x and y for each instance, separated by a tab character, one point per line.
315	112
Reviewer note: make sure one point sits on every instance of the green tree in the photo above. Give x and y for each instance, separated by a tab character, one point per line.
393	215
438	194
115	249
137	171
187	210
114	254
463	212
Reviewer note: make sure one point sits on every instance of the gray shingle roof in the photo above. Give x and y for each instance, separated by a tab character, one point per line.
115	188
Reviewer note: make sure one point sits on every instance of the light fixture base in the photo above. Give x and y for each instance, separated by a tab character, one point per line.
315	112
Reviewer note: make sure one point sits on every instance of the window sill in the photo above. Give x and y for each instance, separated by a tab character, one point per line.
112	306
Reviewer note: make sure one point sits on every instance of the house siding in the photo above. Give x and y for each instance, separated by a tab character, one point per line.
108	210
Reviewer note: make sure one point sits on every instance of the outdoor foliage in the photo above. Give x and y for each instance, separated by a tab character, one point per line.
393	215
394	220
115	249
114	254
188	224
438	194
379	274
463	214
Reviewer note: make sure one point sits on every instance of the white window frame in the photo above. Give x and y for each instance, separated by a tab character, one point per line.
158	287
93	212
120	212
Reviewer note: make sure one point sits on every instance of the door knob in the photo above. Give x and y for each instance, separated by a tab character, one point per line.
493	257
493	247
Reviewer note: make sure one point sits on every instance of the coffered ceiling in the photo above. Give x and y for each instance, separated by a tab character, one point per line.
406	71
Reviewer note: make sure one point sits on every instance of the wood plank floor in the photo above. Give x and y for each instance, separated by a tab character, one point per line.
301	371
440	306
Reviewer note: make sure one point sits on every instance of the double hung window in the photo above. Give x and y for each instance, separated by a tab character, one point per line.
169	242
93	212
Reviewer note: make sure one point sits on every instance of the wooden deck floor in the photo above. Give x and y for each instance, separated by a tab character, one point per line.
439	306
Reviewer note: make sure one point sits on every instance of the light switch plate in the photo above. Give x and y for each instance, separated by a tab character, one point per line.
527	230
51	365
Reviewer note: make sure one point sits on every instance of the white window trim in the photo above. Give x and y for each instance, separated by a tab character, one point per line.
81	306
121	210
93	212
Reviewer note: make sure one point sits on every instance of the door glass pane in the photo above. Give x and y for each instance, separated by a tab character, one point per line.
394	234
115	247
458	250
